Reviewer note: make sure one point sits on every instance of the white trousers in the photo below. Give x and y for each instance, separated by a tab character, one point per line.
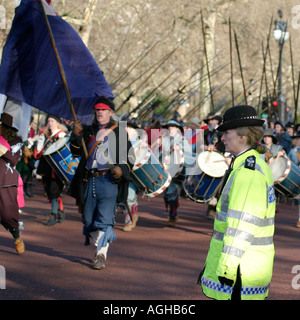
96	237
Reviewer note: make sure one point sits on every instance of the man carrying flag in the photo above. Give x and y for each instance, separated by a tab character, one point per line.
45	64
105	174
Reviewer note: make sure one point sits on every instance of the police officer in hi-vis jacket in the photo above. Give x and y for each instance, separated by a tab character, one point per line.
239	264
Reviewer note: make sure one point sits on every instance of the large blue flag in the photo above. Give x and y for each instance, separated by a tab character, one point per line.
29	70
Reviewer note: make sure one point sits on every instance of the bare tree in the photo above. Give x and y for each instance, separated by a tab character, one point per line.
118	32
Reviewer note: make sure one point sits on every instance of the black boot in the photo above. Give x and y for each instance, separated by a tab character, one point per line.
52	220
173	214
15	233
29	191
27	180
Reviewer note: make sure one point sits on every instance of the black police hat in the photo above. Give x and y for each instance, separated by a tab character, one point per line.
240	116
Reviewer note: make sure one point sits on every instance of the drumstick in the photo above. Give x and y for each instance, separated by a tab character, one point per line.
188	157
277	157
215	140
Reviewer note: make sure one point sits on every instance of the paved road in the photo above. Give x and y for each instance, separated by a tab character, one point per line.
151	262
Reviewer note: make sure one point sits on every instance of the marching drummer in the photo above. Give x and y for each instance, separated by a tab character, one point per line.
53	185
194	134
273	149
212	137
171	143
101	180
294	155
131	207
212	141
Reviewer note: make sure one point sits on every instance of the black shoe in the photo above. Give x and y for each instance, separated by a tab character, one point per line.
52	220
60	216
211	212
99	262
30	195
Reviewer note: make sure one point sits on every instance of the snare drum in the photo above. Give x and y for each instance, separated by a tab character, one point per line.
286	176
148	174
204	186
60	158
201	188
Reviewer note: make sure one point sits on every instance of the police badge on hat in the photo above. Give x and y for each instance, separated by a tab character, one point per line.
250	163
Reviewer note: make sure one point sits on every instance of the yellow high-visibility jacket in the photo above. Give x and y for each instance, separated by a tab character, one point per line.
243	231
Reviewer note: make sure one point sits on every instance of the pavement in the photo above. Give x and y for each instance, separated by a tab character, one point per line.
152	262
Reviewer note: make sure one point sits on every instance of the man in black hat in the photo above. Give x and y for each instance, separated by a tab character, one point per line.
212	141
9	179
212	137
101	180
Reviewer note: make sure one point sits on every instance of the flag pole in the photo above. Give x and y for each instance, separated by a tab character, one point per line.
62	73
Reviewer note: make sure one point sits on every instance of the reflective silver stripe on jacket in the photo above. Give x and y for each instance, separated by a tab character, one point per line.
243	216
233	251
256	241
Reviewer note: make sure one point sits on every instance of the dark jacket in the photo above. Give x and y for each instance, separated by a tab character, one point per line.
77	187
9	176
209	137
284	140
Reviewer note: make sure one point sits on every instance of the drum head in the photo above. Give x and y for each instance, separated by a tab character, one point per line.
278	166
142	155
190	159
212	163
57	145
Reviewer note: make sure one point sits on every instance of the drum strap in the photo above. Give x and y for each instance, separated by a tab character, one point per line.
54	136
100	139
49	140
